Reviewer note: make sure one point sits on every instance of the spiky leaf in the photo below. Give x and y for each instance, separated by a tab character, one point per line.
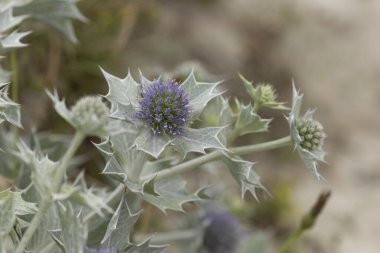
197	140
9	110
73	233
249	122
56	13
243	173
199	93
120	227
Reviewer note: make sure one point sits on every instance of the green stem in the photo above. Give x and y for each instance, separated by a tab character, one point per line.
243	150
290	242
62	167
46	202
256	107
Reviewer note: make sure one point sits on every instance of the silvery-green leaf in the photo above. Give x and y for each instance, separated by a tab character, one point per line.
119	228
296	102
9	110
20	206
199	93
197	140
243	173
43	168
219	113
84	198
152	144
73	233
41	238
7	20
249	122
170	194
124	161
7	215
56	13
13	40
310	160
123	112
145	247
123	91
6	4
60	107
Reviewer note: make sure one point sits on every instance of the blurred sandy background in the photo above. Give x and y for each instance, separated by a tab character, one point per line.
331	49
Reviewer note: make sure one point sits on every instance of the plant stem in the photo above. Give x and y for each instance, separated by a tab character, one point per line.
243	150
61	169
289	243
169	237
47	201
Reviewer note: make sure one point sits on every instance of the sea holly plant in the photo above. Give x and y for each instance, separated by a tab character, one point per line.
151	133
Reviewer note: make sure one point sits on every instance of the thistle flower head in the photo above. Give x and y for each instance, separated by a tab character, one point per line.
162	112
164	106
263	95
311	134
88	112
222	233
267	93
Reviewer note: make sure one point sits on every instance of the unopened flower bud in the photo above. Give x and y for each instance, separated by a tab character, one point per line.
89	114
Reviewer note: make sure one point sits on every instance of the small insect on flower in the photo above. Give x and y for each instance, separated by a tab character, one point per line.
164	106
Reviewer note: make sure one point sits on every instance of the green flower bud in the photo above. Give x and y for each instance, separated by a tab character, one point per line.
266	94
89	114
311	134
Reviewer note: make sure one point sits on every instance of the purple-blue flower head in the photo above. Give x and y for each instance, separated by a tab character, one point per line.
162	113
222	232
164	106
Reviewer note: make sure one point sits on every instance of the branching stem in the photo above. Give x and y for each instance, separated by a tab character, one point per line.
243	150
47	201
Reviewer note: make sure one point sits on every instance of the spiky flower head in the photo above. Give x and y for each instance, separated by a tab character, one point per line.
311	134
266	92
164	106
88	115
263	95
307	134
222	233
89	111
162	113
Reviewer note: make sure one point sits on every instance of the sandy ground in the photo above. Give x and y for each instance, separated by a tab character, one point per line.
335	58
